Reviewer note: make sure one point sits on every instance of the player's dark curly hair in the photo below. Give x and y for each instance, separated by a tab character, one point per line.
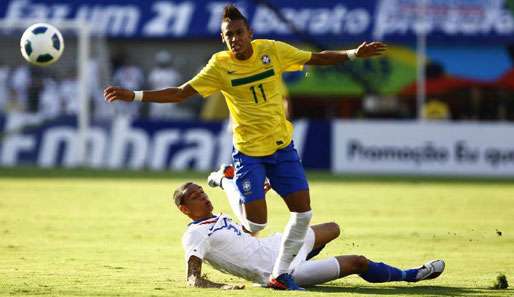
231	13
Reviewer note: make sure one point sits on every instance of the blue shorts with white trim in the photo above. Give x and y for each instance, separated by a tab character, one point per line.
283	169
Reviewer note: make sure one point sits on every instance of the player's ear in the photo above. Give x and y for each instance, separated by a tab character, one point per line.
222	38
184	209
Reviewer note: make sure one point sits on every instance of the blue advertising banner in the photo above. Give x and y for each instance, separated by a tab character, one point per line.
154	145
320	22
351	147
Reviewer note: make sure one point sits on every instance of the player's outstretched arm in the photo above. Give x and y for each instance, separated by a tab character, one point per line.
365	50
168	95
196	280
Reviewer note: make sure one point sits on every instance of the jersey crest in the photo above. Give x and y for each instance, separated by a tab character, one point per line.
247	185
265	59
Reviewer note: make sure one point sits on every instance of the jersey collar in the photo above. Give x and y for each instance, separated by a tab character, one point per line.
207	220
250	60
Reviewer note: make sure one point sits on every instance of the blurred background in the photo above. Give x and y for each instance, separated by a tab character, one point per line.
440	102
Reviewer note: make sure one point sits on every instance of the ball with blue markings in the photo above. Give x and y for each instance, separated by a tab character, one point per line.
41	44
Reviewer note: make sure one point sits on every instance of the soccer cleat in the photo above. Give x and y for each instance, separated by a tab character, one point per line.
430	270
225	171
228	171
284	282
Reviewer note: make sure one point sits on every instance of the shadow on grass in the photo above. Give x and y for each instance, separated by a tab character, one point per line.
398	290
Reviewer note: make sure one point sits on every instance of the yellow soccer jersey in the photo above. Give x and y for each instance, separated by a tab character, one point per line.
254	91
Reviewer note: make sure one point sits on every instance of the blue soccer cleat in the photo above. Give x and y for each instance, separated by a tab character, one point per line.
284	282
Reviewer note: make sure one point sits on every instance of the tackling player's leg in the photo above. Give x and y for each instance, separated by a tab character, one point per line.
316	272
323	234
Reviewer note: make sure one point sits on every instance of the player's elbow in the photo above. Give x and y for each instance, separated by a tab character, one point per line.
322	58
180	95
326	58
183	92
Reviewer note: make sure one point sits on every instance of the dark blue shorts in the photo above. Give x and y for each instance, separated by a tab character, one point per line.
283	169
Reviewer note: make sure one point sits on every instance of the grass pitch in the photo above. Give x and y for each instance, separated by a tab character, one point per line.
83	233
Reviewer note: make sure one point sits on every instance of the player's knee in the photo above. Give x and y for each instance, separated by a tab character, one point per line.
254	227
335	231
360	264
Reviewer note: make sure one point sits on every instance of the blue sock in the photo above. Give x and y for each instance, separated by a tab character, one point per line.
410	275
381	273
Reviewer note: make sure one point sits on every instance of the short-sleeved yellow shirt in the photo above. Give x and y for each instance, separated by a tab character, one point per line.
254	92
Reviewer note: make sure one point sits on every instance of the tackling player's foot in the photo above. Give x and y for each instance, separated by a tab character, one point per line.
225	171
284	282
430	270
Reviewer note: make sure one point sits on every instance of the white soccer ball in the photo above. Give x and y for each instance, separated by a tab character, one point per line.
41	44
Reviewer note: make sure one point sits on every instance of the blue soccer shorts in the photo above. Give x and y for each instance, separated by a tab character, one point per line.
283	169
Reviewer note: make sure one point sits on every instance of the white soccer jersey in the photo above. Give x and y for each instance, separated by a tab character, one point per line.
222	243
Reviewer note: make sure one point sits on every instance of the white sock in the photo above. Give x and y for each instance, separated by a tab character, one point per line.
234	199
292	241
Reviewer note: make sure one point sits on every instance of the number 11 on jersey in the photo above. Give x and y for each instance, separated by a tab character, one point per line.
261	87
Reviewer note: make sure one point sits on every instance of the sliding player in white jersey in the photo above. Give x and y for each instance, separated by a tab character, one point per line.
227	247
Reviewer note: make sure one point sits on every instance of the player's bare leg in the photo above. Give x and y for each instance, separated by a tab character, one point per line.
352	265
256	211
325	233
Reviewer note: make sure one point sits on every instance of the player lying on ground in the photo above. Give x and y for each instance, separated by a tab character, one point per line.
225	245
249	74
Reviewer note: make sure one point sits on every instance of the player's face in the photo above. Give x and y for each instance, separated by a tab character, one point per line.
237	37
195	202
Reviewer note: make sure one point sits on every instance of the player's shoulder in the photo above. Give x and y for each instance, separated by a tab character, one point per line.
220	58
263	44
194	233
270	45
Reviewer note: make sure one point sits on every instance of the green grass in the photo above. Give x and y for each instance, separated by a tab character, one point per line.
65	234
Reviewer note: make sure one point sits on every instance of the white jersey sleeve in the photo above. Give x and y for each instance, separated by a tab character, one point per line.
195	243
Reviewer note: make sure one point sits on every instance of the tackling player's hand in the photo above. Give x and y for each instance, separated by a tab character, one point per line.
370	49
232	287
116	93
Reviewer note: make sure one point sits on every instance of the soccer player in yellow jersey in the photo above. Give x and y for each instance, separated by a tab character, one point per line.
249	74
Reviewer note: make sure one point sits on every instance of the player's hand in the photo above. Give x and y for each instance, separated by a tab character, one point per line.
233	287
116	93
370	49
267	187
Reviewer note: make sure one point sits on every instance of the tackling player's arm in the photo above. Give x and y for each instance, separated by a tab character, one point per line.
168	95
196	280
365	50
